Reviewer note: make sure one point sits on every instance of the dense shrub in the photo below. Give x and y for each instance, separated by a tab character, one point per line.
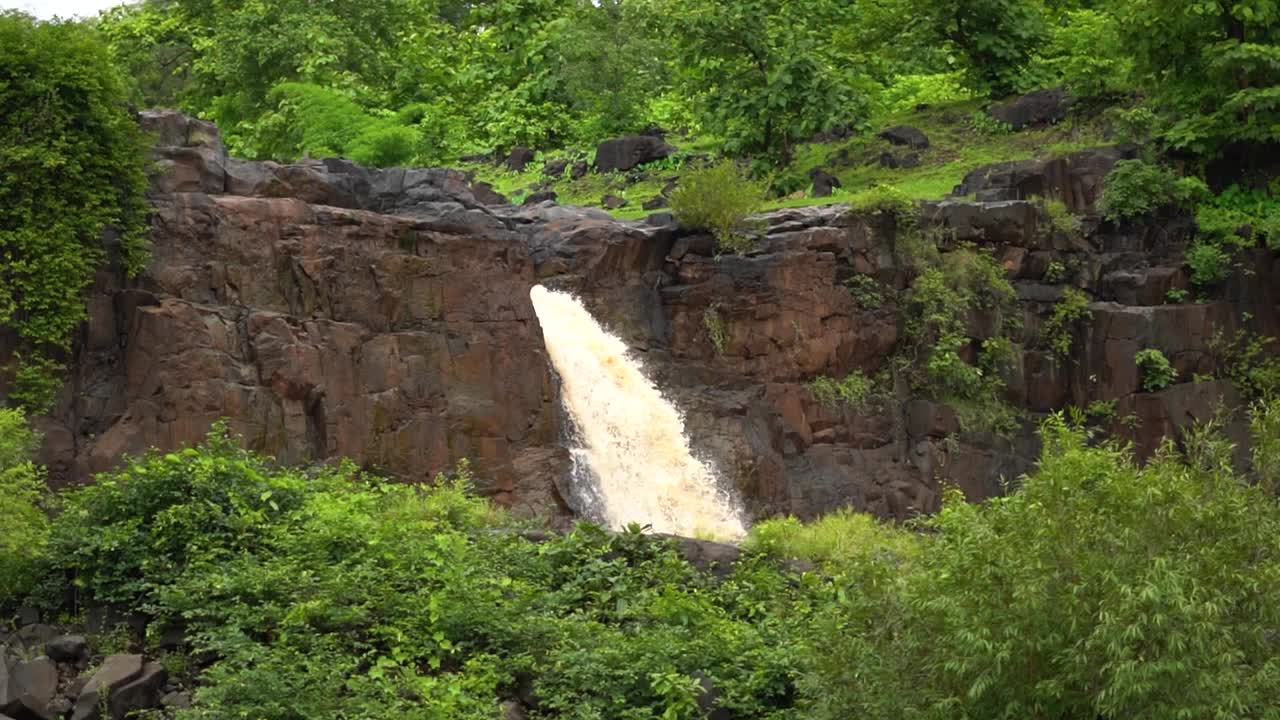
71	175
24	528
1090	592
1157	372
718	198
1135	188
936	339
1059	330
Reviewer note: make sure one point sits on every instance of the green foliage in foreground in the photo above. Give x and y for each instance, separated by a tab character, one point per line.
24	528
1098	589
71	168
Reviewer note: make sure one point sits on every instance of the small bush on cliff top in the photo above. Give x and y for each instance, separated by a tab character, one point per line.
718	198
71	171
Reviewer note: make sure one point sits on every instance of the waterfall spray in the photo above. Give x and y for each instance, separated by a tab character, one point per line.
632	462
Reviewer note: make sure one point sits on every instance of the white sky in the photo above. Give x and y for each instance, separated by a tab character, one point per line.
45	9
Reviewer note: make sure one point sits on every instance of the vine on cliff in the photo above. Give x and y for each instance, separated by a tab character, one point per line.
72	175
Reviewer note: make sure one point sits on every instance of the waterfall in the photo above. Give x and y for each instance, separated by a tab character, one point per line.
632	461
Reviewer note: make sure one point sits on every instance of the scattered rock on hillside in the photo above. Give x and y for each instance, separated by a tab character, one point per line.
486	195
140	693
555	168
578	169
68	648
1042	107
823	182
540	197
893	161
906	135
625	153
656	202
831	134
116	672
613	202
27	689
518	158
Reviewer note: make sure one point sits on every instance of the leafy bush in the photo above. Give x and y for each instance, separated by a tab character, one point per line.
1237	215
1087	593
1209	264
1157	372
24	528
1059	330
1135	188
322	122
718	198
840	537
1244	358
909	91
71	166
866	291
1061	219
717	333
1085	54
855	389
884	199
937	308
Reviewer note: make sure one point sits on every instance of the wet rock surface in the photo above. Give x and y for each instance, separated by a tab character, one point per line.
330	310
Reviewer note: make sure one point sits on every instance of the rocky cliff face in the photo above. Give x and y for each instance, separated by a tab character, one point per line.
328	310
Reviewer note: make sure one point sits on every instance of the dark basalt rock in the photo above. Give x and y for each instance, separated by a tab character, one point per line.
624	153
823	182
911	137
1035	109
519	158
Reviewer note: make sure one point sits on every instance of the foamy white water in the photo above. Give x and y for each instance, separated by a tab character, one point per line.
632	460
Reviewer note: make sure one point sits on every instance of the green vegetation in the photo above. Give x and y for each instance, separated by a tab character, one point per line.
717	333
1136	188
329	592
1243	358
24	528
718	199
71	175
949	292
1156	370
1060	329
856	389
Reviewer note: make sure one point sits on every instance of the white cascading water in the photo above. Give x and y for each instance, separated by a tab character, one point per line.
633	462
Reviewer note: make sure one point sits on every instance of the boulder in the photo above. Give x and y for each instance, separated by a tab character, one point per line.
540	197
912	137
1035	109
518	158
29	688
68	648
176	700
823	182
655	203
116	672
624	153
141	693
1075	179
511	710
578	169
486	195
554	169
716	558
613	202
894	161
